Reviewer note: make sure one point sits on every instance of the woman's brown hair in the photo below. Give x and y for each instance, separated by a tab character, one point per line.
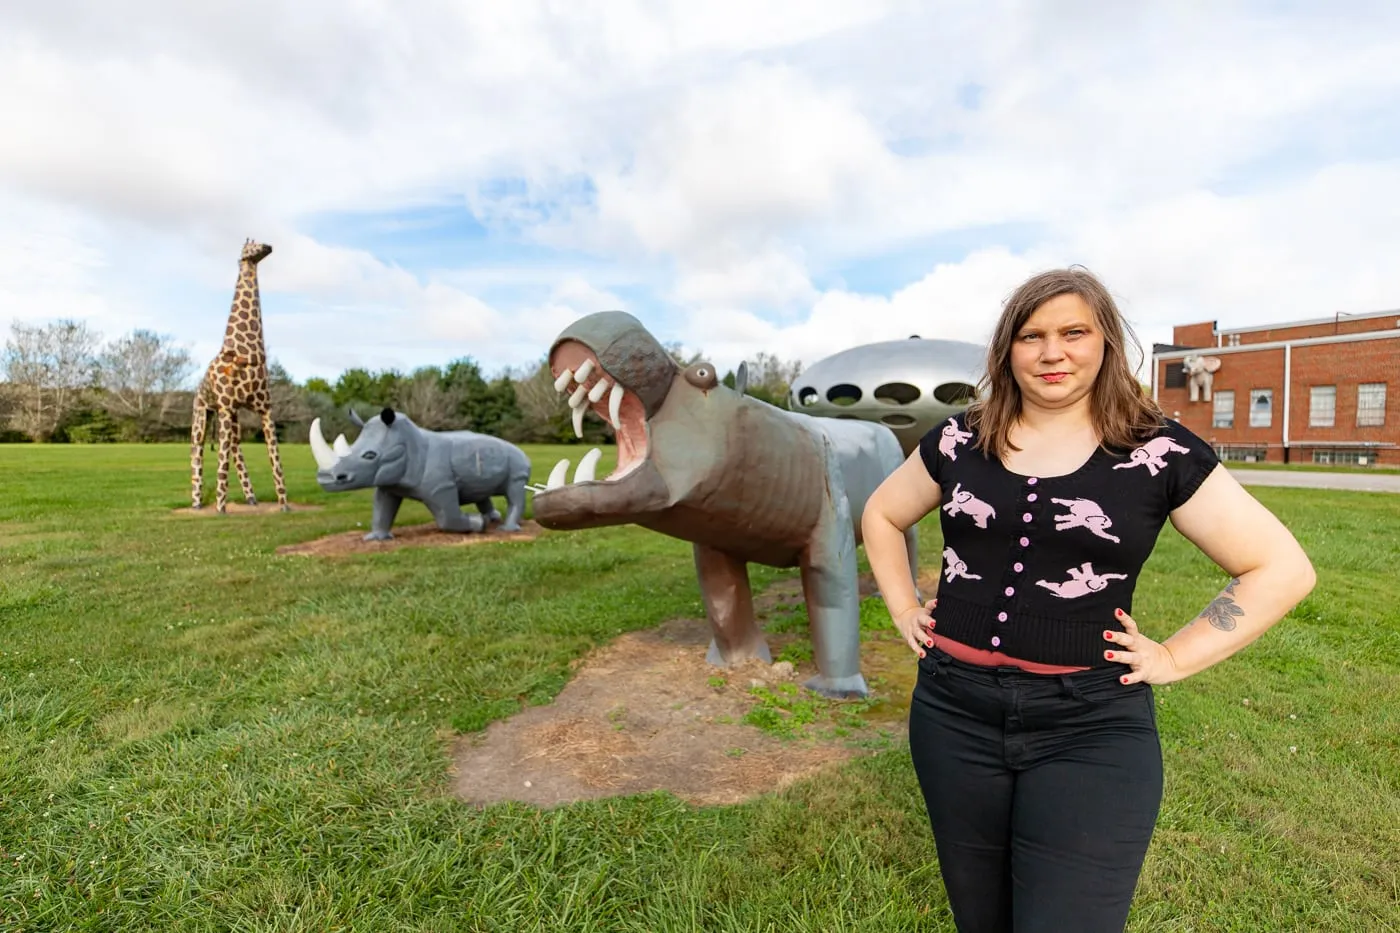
1122	413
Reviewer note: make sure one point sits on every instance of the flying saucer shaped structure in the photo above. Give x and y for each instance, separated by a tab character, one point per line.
908	385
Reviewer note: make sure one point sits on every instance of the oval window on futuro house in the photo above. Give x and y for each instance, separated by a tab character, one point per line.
955	393
843	394
806	395
900	393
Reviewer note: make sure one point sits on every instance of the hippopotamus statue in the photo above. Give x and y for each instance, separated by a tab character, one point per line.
444	470
742	480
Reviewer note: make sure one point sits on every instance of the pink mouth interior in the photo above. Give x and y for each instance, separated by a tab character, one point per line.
630	430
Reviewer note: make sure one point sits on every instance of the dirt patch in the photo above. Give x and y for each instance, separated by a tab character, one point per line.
243	508
425	535
647	713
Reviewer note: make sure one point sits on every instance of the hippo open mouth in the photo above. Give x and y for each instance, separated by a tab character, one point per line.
581	377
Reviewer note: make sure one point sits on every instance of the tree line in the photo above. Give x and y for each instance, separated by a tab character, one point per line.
63	382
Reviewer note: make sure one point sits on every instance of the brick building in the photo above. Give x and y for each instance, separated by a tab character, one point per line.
1316	391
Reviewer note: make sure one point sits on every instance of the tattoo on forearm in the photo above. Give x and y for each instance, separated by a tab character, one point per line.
1223	610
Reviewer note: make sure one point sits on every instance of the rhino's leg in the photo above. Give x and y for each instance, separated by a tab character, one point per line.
833	603
724	585
487	508
386	508
515	502
447	512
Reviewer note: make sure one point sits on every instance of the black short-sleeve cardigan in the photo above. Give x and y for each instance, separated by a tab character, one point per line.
1034	567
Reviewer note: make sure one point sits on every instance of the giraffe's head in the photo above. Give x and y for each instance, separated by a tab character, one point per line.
254	252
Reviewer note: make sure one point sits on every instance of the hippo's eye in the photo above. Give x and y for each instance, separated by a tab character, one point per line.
701	375
369	455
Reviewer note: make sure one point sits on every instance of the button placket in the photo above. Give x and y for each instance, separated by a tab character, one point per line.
1029	497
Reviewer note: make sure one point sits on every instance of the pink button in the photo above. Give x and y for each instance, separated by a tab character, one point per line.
1032	481
1010	590
1001	617
1019	566
1026	517
1025	542
1030	498
996	642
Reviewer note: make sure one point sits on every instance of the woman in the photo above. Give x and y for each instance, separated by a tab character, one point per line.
1032	726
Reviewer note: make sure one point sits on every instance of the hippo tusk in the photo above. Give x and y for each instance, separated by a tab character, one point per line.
615	405
557	475
561	383
325	457
587	466
578	419
600	388
583	371
341	445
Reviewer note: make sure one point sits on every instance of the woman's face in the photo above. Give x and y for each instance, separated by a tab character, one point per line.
1056	355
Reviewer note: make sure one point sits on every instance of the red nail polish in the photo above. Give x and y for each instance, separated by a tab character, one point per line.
1118	613
1108	635
1123	679
1108	654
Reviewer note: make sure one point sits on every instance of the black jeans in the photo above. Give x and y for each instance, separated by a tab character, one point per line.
1042	792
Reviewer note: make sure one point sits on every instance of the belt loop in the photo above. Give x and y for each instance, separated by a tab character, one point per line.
1068	687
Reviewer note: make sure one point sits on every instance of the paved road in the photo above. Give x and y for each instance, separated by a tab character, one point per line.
1364	482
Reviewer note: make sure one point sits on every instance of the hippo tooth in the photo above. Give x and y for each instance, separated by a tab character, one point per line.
563	381
599	389
557	475
576	400
615	405
587	466
584	370
578	420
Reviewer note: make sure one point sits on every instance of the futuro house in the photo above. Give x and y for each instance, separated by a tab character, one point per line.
909	385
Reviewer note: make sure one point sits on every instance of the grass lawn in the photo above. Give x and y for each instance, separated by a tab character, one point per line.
198	734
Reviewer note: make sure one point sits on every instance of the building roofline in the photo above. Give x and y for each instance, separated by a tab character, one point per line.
1310	322
1280	344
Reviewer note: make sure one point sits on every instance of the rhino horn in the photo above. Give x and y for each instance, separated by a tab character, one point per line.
325	457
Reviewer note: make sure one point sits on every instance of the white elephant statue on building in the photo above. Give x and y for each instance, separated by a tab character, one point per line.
1200	373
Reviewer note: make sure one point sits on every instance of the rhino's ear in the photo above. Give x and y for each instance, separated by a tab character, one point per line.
741	378
387	416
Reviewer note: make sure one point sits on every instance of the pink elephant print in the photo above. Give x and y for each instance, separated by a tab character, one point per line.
964	501
955	566
1084	513
1150	455
951	438
1082	581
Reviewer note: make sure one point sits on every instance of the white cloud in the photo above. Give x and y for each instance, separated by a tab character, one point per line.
716	159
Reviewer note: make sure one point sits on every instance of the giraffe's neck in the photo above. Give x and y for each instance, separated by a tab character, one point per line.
245	332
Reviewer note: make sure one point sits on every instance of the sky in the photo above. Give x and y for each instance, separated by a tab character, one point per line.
455	178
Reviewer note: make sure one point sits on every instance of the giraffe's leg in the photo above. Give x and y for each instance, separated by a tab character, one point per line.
270	432
228	437
243	475
197	425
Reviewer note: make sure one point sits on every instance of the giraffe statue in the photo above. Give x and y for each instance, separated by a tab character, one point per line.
237	378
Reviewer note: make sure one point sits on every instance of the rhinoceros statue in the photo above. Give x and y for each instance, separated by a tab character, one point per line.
444	470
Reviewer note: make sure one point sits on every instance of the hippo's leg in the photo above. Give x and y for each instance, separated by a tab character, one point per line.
386	508
447	512
832	592
911	544
515	502
724	585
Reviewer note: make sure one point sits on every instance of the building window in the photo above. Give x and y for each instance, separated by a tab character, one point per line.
1322	407
1348	457
1223	415
1234	340
1261	408
1370	404
1244	454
